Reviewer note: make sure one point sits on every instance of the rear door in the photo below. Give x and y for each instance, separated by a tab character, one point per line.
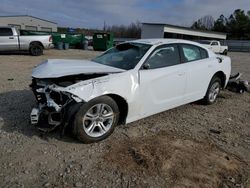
199	71
162	80
8	41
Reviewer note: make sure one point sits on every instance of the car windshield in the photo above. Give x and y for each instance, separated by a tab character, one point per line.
123	56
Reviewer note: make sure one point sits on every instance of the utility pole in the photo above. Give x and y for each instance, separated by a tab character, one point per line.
104	26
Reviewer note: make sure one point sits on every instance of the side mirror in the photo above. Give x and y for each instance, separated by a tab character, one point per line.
220	59
146	66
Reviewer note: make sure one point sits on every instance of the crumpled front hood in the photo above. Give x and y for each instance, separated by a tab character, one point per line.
55	68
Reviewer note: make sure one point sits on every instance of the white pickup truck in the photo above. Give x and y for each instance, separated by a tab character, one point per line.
215	46
10	40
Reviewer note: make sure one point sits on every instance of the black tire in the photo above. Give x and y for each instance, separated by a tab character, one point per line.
78	122
36	49
216	81
225	52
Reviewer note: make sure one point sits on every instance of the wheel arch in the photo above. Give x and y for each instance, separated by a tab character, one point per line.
36	42
122	105
222	77
225	52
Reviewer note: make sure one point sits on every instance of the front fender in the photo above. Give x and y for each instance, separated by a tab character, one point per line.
124	85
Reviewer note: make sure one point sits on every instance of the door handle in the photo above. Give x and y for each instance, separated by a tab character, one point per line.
11	37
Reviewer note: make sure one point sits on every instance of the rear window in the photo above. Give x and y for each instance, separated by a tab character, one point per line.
6	32
204	42
214	44
204	53
193	53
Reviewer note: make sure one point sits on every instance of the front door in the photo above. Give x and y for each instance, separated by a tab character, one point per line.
162	80
8	41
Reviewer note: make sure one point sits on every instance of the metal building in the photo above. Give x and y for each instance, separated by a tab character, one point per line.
156	30
28	23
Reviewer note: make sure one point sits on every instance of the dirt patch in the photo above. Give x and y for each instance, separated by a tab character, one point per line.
178	162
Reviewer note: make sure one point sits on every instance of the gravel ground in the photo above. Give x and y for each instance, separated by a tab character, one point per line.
175	148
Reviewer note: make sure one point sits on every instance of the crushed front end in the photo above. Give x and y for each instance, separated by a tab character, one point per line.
53	105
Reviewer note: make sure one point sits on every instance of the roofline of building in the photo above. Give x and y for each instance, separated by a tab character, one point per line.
28	16
187	28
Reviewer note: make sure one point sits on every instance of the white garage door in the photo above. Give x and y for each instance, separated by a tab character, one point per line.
31	28
47	29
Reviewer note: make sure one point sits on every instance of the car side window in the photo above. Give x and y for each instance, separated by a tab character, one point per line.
164	56
204	53
191	52
6	32
214	44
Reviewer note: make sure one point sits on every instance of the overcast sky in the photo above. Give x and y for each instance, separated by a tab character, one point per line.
93	13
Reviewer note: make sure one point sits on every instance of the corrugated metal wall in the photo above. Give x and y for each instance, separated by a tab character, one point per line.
238	45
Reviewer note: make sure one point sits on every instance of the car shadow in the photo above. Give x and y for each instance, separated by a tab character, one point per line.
15	108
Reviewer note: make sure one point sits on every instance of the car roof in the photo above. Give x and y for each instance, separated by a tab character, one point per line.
163	41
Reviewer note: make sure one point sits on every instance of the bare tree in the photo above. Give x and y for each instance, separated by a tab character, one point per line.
131	31
204	23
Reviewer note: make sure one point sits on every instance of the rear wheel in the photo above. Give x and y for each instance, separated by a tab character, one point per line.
225	52
36	49
96	120
212	91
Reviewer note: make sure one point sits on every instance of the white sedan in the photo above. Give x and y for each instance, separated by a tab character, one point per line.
129	82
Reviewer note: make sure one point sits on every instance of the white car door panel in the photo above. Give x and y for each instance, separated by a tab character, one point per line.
162	88
7	40
199	72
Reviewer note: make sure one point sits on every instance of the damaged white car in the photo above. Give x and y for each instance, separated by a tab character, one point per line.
131	81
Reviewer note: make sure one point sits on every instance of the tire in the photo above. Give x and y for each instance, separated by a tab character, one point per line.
91	124
225	52
36	49
212	91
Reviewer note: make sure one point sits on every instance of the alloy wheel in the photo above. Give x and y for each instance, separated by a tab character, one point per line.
214	91
98	120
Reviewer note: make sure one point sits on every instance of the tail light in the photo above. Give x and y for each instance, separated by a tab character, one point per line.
50	38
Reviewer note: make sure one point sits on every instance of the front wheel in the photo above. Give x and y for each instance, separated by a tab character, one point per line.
212	91
96	120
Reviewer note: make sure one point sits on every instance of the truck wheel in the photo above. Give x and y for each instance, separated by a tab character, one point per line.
225	52
212	91
96	120
36	49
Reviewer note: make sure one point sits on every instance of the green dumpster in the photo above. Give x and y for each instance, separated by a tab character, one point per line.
103	41
74	40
